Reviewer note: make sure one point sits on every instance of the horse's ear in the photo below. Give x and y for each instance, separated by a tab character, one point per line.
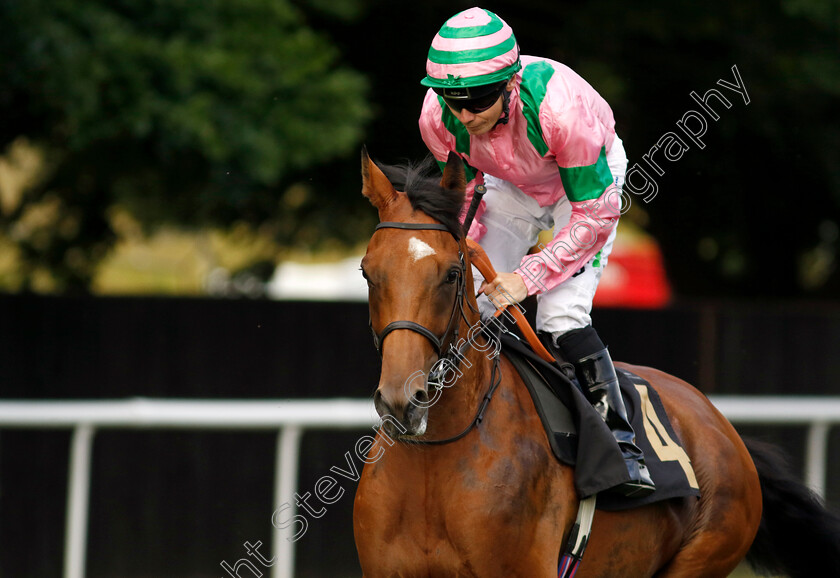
453	174
375	185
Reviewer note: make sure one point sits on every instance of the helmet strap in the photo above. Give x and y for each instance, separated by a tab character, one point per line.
505	116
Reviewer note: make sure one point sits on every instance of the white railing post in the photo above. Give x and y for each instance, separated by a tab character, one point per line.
816	457
78	492
285	485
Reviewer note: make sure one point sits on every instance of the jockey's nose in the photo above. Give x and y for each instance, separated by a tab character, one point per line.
466	116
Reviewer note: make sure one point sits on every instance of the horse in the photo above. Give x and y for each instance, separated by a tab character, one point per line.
467	484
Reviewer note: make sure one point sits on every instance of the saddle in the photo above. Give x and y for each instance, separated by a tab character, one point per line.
577	434
579	437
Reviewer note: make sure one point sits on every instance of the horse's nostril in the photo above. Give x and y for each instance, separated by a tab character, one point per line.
420	399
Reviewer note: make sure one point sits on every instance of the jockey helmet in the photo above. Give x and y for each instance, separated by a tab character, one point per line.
473	53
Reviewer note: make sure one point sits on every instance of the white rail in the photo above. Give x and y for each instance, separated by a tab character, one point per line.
291	418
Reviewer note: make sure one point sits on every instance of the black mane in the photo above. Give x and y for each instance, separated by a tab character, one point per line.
425	193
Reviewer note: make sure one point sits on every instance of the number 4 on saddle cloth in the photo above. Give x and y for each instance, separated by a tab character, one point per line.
580	438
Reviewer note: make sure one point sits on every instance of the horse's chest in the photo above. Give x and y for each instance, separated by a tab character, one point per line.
446	513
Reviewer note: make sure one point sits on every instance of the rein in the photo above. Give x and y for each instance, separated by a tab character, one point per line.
495	381
438	342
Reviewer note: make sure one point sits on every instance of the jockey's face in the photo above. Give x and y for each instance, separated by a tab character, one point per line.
482	122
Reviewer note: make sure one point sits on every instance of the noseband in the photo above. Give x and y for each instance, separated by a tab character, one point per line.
457	306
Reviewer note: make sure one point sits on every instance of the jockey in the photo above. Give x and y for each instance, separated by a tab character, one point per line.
542	143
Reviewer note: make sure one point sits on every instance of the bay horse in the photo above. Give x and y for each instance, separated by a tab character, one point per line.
470	488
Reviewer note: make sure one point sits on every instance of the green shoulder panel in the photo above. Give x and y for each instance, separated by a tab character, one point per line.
462	137
532	90
581	183
454	126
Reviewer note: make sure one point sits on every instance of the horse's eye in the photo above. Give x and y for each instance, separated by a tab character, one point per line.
452	276
364	274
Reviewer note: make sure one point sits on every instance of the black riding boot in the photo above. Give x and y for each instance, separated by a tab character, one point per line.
599	383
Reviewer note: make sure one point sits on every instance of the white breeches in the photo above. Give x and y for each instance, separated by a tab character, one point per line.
514	221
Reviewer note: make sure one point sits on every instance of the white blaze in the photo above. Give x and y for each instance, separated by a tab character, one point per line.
418	249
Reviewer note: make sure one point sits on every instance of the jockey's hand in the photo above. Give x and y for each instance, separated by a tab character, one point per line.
505	289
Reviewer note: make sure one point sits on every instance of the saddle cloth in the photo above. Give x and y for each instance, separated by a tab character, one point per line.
580	438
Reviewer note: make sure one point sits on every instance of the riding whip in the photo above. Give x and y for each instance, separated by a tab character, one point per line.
478	193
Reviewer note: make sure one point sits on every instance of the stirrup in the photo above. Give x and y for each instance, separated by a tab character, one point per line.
640	485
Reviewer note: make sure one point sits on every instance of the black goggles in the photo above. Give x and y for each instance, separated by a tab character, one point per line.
476	105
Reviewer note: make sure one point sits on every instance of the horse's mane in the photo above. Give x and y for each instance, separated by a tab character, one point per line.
425	193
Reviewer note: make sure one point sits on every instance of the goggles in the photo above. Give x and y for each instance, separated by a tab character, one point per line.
464	98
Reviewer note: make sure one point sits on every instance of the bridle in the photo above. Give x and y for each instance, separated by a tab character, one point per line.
452	350
457	306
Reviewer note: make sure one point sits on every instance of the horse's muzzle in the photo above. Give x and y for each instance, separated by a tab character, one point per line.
402	416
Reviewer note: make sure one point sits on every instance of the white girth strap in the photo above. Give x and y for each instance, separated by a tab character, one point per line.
578	539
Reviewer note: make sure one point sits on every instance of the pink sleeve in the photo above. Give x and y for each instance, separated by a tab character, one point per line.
574	245
578	136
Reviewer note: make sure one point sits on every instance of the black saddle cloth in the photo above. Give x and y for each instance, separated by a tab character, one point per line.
580	438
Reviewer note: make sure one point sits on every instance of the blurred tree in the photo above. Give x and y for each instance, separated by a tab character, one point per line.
218	111
744	216
754	213
179	111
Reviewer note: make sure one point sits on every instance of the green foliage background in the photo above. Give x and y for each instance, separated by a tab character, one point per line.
250	111
179	111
